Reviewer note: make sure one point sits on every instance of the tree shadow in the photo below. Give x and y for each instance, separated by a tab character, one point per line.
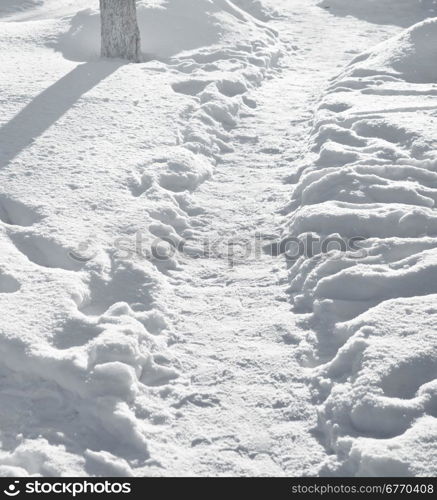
47	107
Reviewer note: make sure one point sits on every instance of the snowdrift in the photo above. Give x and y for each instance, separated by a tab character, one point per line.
169	28
12	6
401	12
366	193
109	154
380	412
406	56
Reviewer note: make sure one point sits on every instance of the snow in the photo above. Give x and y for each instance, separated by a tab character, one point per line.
401	12
370	174
12	6
144	213
406	57
380	407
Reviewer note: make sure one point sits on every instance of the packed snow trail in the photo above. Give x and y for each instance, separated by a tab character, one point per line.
246	407
188	366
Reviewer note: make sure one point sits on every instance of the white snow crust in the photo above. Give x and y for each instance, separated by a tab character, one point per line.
262	120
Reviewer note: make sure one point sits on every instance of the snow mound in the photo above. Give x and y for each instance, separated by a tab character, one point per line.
363	213
121	148
381	411
407	55
8	7
401	12
257	9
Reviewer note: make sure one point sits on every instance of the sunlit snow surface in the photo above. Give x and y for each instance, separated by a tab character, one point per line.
114	361
371	173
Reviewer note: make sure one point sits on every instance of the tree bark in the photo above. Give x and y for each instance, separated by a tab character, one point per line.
120	32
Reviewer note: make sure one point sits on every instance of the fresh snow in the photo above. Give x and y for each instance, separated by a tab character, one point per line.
370	172
155	322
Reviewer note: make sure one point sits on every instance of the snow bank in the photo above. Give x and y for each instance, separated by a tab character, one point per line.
406	56
8	7
221	48
365	194
401	12
381	407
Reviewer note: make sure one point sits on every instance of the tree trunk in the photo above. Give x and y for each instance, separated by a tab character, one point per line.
120	32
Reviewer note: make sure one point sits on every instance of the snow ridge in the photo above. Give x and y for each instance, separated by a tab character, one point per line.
368	185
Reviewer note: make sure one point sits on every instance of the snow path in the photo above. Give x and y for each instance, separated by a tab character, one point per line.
248	409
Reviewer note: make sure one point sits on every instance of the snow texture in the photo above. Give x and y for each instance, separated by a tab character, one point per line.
370	173
401	12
